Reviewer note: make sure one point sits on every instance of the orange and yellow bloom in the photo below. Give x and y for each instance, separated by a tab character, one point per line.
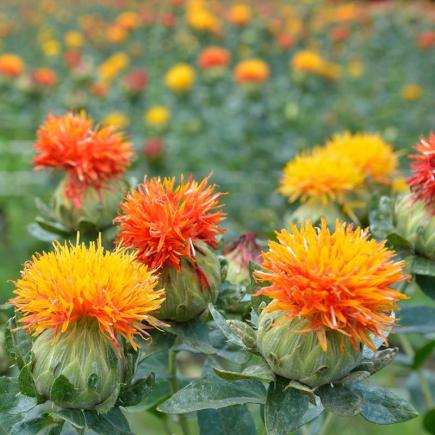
180	77
90	156
340	281
251	71
11	65
75	282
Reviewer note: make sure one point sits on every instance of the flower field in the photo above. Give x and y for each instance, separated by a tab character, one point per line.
229	205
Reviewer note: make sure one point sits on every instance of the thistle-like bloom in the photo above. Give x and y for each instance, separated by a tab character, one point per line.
76	282
320	176
368	152
336	281
162	221
90	157
422	180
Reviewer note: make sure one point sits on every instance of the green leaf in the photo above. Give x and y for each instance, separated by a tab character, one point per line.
285	408
214	393
114	422
261	372
429	421
416	318
26	382
340	400
193	334
399	244
226	421
422	354
414	386
427	284
40	234
161	391
422	266
381	406
222	324
74	416
134	393
18	344
61	390
37	422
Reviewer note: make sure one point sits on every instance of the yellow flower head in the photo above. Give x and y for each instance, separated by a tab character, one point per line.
203	20
116	119
180	77
109	69
72	282
368	152
307	60
157	115
73	39
240	14
51	48
411	92
320	176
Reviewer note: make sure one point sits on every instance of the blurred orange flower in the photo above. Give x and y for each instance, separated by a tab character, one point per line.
214	57
11	65
251	71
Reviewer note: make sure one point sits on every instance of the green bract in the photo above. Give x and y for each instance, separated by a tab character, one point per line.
187	295
298	356
98	209
416	224
88	359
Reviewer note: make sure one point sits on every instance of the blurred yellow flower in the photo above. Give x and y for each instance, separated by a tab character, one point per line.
307	60
73	39
117	119
399	185
240	14
355	68
157	116
113	66
180	77
411	92
202	19
50	48
367	152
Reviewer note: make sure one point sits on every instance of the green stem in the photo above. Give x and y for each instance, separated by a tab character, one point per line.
305	430
182	420
326	423
425	388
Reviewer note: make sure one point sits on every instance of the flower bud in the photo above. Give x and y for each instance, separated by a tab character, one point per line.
189	290
244	332
239	254
415	223
87	358
97	208
298	356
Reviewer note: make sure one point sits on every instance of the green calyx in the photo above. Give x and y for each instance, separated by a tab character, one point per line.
88	359
416	224
298	356
190	289
98	209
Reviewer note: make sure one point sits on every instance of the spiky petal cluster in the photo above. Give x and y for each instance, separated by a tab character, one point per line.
162	220
72	282
320	176
337	281
422	181
90	156
368	152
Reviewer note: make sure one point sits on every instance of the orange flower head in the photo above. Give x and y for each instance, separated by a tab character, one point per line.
75	281
337	281
90	156
251	71
44	77
320	176
11	65
214	57
240	14
422	180
162	221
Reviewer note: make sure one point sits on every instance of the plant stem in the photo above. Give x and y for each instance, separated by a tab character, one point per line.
425	388
326	423
305	430
172	368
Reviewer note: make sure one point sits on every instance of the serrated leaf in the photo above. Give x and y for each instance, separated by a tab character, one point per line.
134	393
226	420
214	393
18	344
259	371
382	406
61	390
26	382
221	323
114	422
416	318
340	400
74	416
285	408
37	421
